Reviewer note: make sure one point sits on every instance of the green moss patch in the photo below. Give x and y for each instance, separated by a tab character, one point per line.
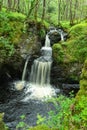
75	48
2	125
10	33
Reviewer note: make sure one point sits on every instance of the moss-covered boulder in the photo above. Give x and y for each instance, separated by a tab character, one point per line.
83	83
79	116
72	53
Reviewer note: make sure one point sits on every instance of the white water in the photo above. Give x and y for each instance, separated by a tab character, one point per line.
61	34
62	37
37	92
24	70
40	73
47	41
39	86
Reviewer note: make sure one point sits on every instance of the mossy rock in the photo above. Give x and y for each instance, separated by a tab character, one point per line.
58	53
80	112
78	30
83	82
75	48
84	74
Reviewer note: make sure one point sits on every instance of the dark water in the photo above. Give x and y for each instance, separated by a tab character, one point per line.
12	105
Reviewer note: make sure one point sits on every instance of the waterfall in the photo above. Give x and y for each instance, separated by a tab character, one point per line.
62	36
38	87
40	71
47	41
25	68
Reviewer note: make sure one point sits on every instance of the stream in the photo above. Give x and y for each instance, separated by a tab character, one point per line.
13	106
29	97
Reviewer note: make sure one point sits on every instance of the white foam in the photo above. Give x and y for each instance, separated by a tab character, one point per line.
38	92
46	48
19	85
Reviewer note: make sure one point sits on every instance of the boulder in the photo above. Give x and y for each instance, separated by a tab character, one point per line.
56	35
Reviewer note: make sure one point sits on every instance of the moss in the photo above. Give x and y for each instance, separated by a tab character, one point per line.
83	82
17	30
84	74
78	30
41	127
10	34
80	111
2	125
75	48
78	42
58	53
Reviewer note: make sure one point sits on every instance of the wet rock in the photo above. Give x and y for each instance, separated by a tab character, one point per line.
57	35
66	76
70	88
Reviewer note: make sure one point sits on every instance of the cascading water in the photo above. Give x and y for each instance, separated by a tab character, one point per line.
62	37
39	83
61	34
40	72
47	41
24	70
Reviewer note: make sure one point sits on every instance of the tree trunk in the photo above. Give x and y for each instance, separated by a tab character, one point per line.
44	9
31	8
9	4
75	10
71	15
36	9
59	10
18	8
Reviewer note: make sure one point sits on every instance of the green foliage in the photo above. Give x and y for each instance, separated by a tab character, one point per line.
65	25
79	118
58	53
78	30
16	16
13	15
68	114
41	127
10	32
7	46
2	125
40	119
22	125
59	118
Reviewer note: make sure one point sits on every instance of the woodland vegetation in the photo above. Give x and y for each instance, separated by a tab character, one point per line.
73	10
71	15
